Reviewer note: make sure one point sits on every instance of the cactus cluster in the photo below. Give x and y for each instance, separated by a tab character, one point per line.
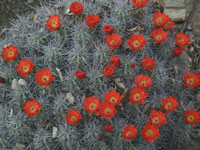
96	75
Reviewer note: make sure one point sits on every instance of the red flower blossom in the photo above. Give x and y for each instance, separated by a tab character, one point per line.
2	80
169	104
192	117
108	29
159	35
143	81
148	63
107	110
80	75
73	116
160	19
108	128
53	23
182	40
113	97
44	77
76	8
116	61
91	104
136	42
169	25
129	132
92	21
177	51
31	107
198	75
132	66
191	80
113	41
137	95
150	132
9	53
24	67
157	118
109	70
140	3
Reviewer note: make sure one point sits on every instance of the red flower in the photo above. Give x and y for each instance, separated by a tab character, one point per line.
92	21
44	77
9	53
160	19
92	104
140	3
159	35
150	132
169	104
109	70
76	8
148	63
31	107
108	128
73	116
24	67
157	118
198	75
80	75
191	80
113	97
53	23
129	132
192	117
113	41
177	51
132	66
169	25
107	110
137	95
182	40
108	29
143	81
2	80
116	61
136	42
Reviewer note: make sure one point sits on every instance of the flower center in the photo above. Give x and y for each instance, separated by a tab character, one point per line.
45	78
149	133
54	23
149	64
156	120
182	40
190	81
73	118
10	54
159	19
76	7
25	68
92	106
159	37
33	109
136	43
168	106
138	1
143	83
190	118
129	133
113	99
107	111
137	96
112	42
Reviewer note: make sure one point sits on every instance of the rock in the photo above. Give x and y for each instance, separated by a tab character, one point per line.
176	14
14	84
59	74
30	1
22	82
70	98
174	3
54	132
